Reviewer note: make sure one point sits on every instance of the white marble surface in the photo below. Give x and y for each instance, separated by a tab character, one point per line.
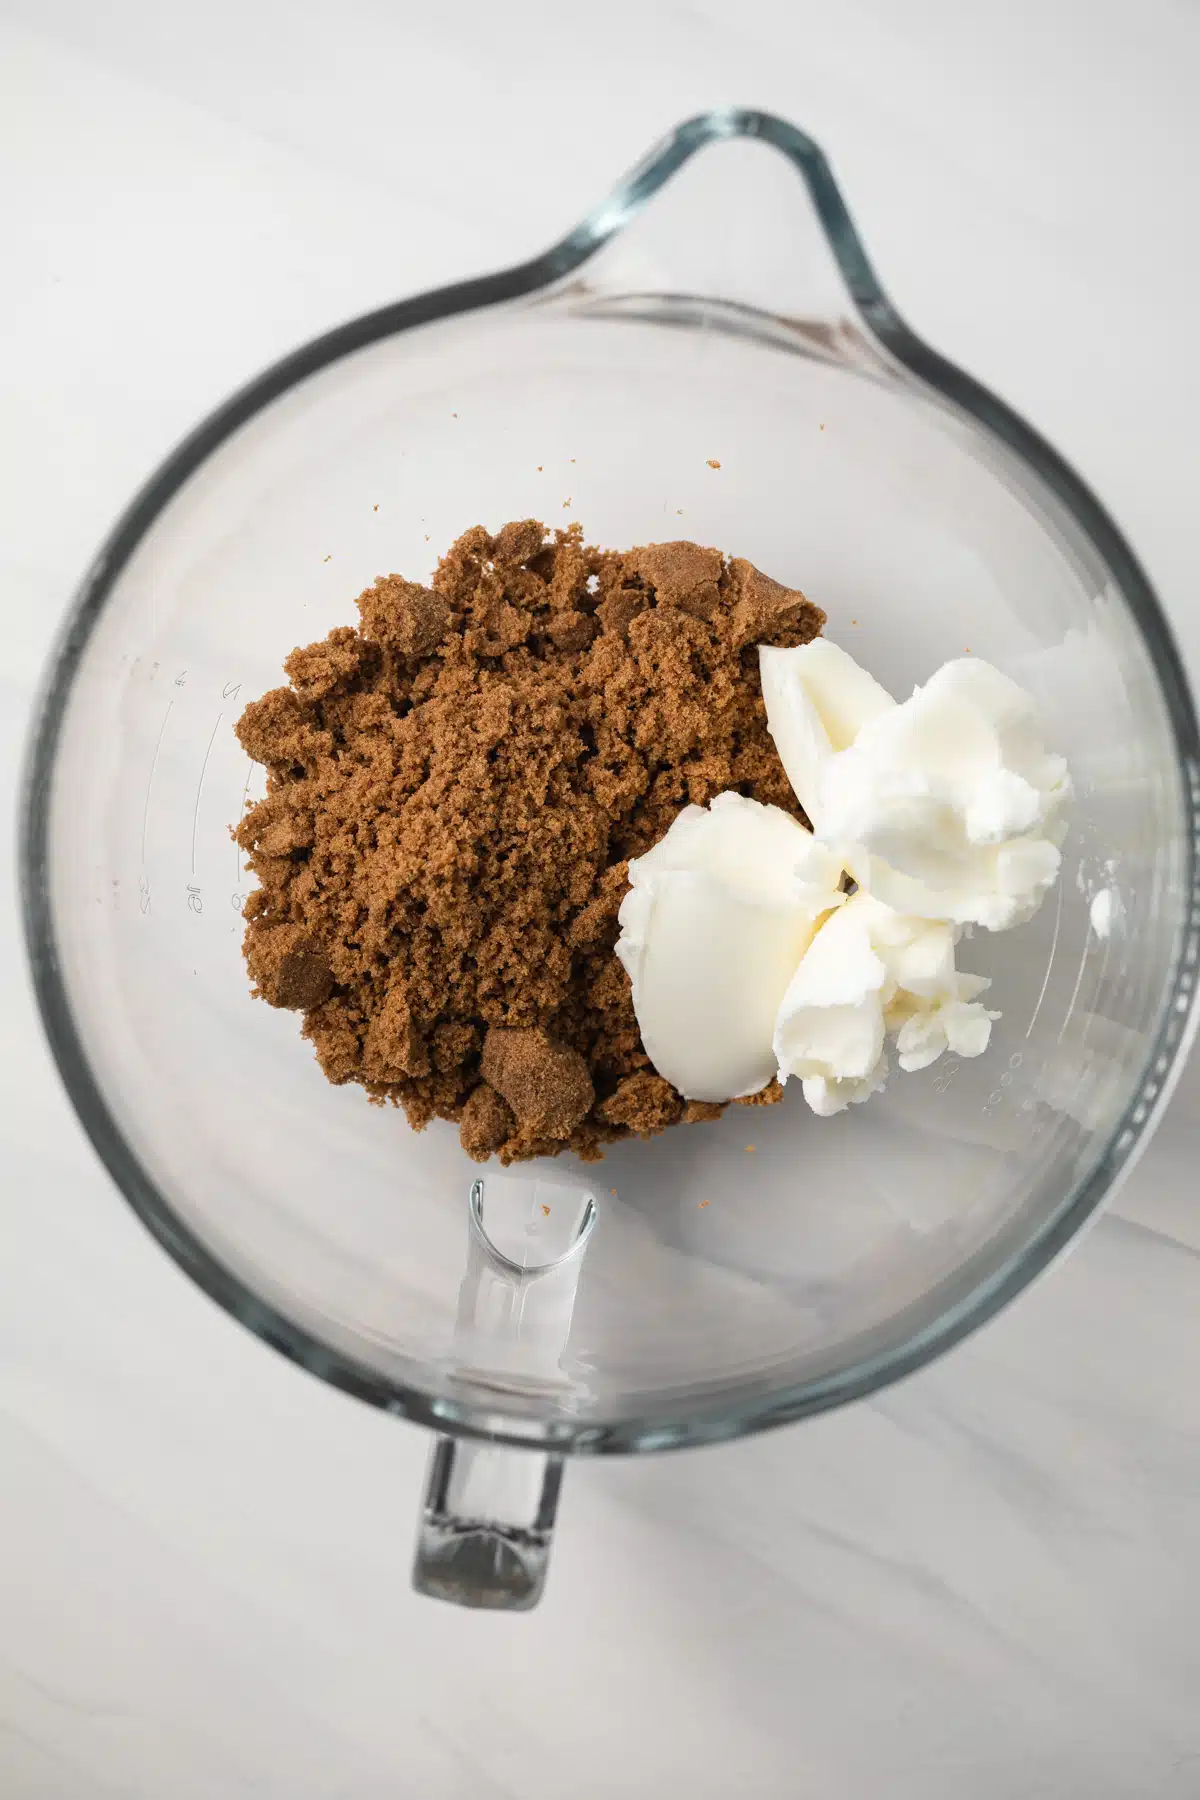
984	1582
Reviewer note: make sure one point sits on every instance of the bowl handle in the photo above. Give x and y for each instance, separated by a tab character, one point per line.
488	1518
487	1525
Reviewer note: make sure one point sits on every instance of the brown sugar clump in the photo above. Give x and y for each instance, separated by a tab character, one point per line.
644	1104
323	669
702	1112
546	1084
764	611
487	1123
289	970
393	1047
681	574
454	791
770	1095
402	616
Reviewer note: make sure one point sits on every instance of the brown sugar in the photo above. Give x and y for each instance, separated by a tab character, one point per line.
289	970
454	791
403	616
699	1112
486	1123
644	1104
770	1095
546	1084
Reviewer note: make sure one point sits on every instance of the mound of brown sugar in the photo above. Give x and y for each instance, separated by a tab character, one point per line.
454	791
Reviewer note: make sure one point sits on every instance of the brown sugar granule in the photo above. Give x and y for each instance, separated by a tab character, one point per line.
487	1123
402	616
644	1104
597	926
770	1095
394	1047
699	1112
322	669
546	1083
763	609
289	970
680	574
454	791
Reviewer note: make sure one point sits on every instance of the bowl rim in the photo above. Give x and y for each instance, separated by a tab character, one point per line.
735	1410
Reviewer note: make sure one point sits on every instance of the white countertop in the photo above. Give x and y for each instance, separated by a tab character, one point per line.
984	1582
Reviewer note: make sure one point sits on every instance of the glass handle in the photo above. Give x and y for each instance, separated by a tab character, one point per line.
487	1525
488	1519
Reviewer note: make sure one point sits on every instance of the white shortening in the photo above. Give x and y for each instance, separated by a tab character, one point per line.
758	949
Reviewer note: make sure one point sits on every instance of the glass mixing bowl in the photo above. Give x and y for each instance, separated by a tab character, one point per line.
715	310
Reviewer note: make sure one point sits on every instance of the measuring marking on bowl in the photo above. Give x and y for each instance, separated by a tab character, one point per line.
164	841
199	791
149	789
1058	913
238	817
